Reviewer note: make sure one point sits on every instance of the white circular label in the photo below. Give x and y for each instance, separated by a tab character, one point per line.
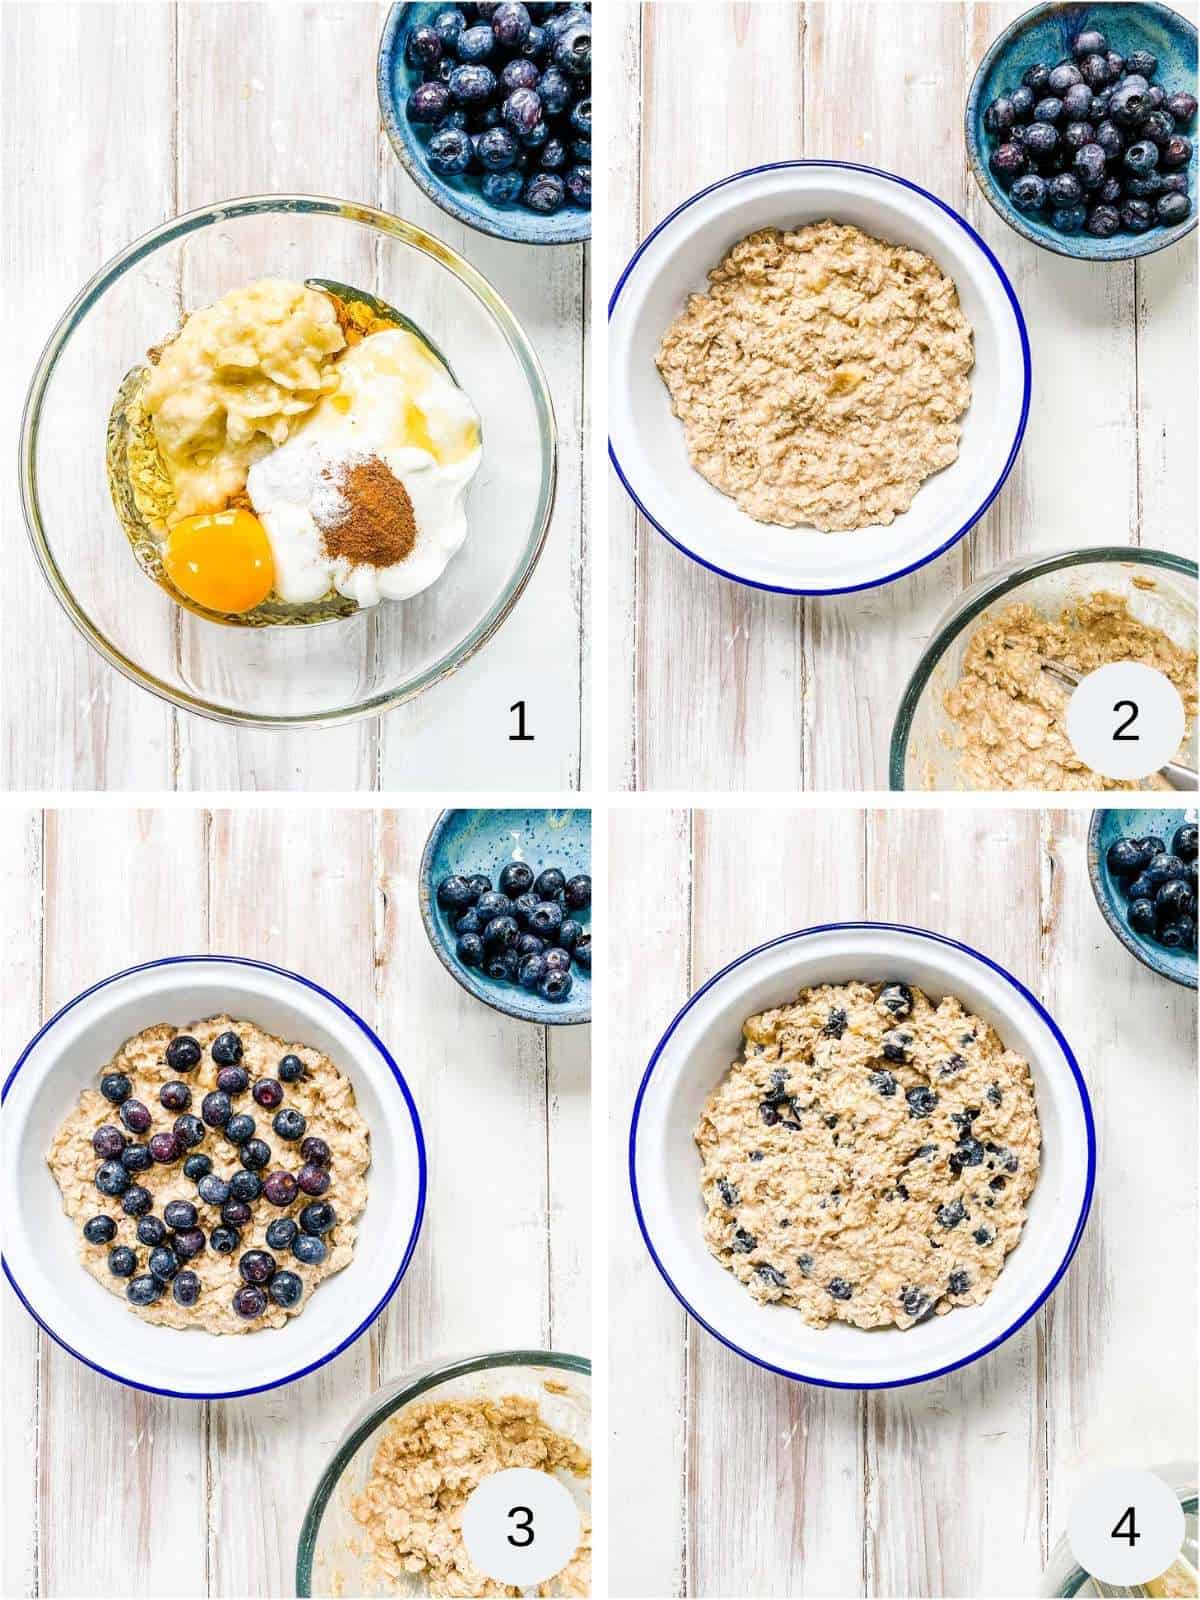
521	1526
1125	720
1126	1526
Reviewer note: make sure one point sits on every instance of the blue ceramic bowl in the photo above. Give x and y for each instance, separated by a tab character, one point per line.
1045	34
1106	828
460	197
467	842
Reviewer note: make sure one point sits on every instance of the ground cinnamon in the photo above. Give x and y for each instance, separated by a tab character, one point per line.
378	528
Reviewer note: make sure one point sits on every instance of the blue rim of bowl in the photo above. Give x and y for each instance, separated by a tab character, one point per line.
442	196
914	566
1010	578
1068	1055
422	1173
384	222
475	988
426	1377
1107	911
1137	244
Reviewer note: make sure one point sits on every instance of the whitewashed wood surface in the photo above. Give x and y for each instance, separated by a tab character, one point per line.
727	1480
117	116
108	1491
783	694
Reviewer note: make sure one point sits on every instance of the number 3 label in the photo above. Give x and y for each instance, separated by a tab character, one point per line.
521	1527
1125	720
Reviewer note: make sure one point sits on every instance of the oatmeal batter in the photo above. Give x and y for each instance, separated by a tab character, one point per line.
1011	716
870	1158
323	1096
822	377
429	1461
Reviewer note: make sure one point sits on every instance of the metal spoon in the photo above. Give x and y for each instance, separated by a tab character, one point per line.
1175	773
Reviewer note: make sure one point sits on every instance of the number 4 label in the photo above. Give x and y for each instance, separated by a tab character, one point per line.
1126	1527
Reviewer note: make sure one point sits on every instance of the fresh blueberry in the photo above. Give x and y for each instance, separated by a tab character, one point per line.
469	950
450	151
1177	152
256	1266
286	1288
240	1128
1172	208
1102	221
136	1201
213	1190
1095	72
1064	189
1158	126
175	1096
268	1093
423	47
1125	856
236	1214
1162	867
472	85
144	1290
516	879
227	1049
546	919
502	188
312	1179
1048	110
245	1186
1022	99
583	952
122	1261
186	1288
165	1148
1076	134
224	1240
197	1167
1173	900
1141	158
306	1247
1130	102
1077	103
573	49
1185	842
557	959
137	1158
1068	219
289	1124
1181	106
1036	77
316	1151
1143	62
281	1232
555	986
255	1154
1090	166
163	1263
216	1109
179	1214
1141	916
189	1130
1110	139
235	1080
279	1188
497	151
249	1301
184	1053
115	1087
291	1069
112	1178
99	1230
531	971
136	1116
1007	162
519	73
108	1142
448	25
189	1243
476	44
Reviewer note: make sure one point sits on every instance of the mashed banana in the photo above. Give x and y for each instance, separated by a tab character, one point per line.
230	387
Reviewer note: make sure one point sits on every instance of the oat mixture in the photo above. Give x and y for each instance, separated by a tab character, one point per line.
870	1157
323	1096
1010	716
822	377
429	1461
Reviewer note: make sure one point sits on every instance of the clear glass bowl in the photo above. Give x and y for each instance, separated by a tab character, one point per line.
318	673
1064	1578
333	1553
1159	587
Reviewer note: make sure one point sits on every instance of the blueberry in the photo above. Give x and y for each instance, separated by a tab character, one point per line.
476	44
291	1069
1172	936
469	950
165	1148
1181	106
99	1230
1141	916
915	1303
529	945
958	1282
224	1240
175	1096
771	1275
1068	219
290	1124
1125	856
449	152
268	1093
497	151
952	1214
557	959
189	1242
184	1053
1088	43
312	1179
1089	166
469	922
472	85
1177	152
531	971
516	879
491	905
1064	189
318	1217
281	1232
999	116
1174	899
883	1082
213	1190
316	1151
839	1289
1102	221
556	91
537	44
1007	162
1077	103
236	1213
115	1087
1152	846
1158	126
256	1266
240	1128
583	952
546	919
1066	75
579	185
112	1178
137	1158
245	1186
511	24
501	934
235	1080
189	1130
136	1201
108	1142
279	1188
144	1290
1143	188
186	1288
573	49
121	1261
448	25
163	1263
834	1025
1036	77
306	1247
519	73
897	1045
1109	193
921	1101
286	1288
216	1109
197	1167
249	1301
227	1049
255	1154
1048	110
1076	134
502	188
968	1152
1185	842
1141	158
1130	103
1095	72
1164	866
1142	62
555	986
423	47
1172	208
135	1116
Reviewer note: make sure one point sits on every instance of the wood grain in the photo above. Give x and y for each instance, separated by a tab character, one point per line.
959	1486
118	116
210	1500
784	694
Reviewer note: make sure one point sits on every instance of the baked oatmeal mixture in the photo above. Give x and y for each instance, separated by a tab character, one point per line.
1010	715
324	1099
430	1460
870	1157
822	377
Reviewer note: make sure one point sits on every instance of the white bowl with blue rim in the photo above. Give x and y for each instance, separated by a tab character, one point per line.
1106	827
646	440
694	1055
485	841
40	1257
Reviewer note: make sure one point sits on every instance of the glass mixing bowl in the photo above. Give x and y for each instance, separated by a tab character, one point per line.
333	1554
1064	1578
318	673
1160	589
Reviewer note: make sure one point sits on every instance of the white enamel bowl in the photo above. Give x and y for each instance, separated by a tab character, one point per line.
646	440
40	1245
695	1053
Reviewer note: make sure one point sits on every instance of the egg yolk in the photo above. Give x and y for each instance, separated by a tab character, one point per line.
221	560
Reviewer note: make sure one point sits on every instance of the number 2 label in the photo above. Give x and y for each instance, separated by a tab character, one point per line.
1119	732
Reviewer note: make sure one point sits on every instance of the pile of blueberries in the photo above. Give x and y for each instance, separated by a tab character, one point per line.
178	1236
507	95
1159	885
1095	142
525	932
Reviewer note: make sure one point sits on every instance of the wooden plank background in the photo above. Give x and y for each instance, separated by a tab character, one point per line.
784	694
210	1500
117	116
728	1480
